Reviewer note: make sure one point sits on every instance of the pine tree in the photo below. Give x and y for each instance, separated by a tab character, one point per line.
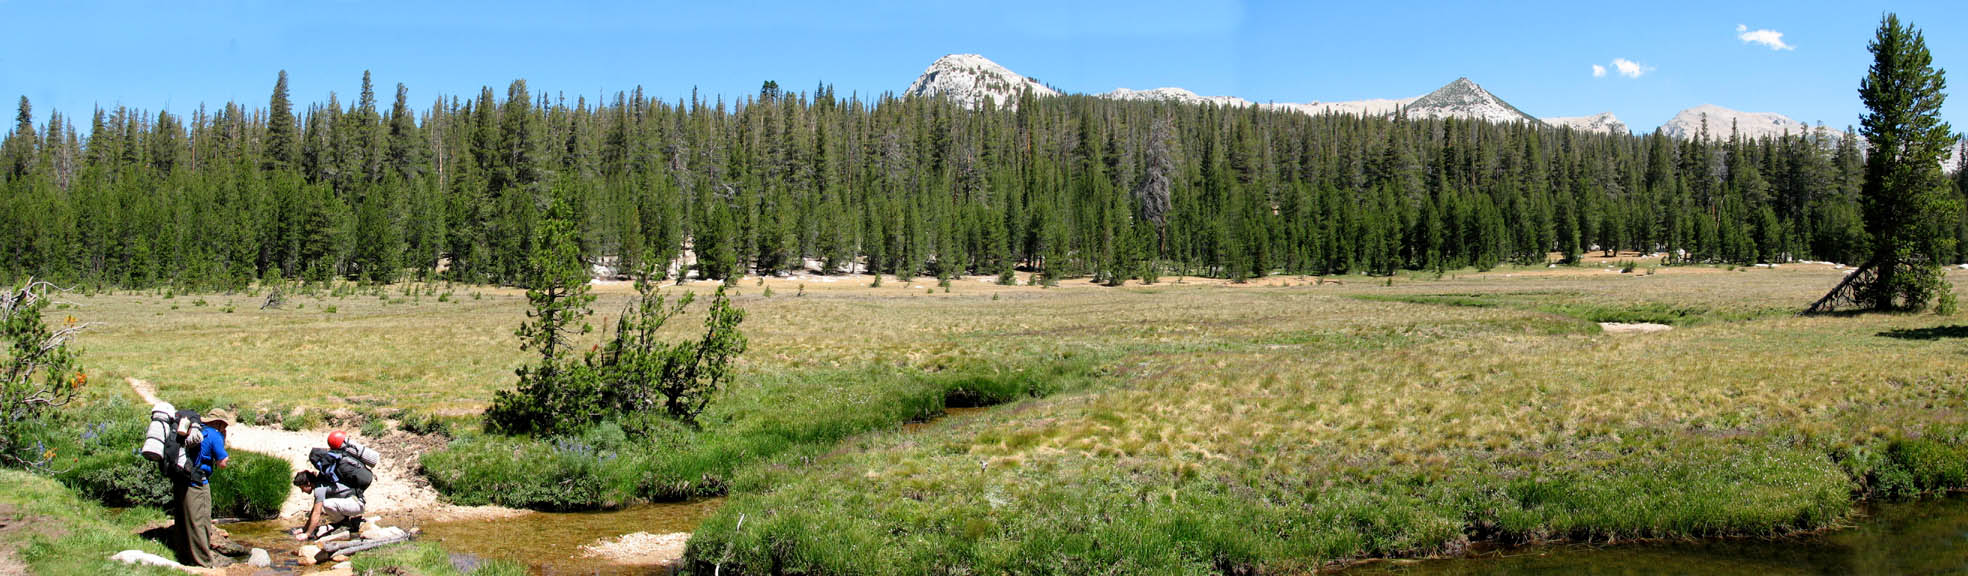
282	151
1905	199
558	393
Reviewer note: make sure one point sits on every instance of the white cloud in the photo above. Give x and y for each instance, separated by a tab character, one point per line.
1598	71
1771	38
1631	69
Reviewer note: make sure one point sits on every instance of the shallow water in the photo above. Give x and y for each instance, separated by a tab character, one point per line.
549	543
1906	538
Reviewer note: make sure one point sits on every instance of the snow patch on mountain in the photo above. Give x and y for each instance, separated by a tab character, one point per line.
1172	94
1603	122
967	79
1750	125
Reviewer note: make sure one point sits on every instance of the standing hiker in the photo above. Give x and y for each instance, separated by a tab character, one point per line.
191	492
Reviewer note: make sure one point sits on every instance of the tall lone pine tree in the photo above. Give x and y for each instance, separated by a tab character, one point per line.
1910	211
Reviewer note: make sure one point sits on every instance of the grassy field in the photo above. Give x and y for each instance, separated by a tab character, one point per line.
1280	426
50	530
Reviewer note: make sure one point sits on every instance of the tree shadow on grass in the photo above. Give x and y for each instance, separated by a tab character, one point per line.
1932	333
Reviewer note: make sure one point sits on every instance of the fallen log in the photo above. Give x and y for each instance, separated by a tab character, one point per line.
353	546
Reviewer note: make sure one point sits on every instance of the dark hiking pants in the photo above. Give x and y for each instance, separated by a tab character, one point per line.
194	529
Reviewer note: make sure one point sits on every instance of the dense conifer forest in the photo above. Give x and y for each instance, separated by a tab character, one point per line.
780	181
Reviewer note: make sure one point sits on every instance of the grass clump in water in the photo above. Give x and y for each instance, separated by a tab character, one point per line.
428	559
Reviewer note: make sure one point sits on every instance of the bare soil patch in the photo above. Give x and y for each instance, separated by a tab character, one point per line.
640	549
1633	327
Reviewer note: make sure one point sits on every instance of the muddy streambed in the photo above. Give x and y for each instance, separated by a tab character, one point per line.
549	543
1887	538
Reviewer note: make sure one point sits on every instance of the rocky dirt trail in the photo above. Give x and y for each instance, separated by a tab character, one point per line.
398	491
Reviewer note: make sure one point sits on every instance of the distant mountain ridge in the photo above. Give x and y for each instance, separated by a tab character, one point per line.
1749	125
1172	94
1371	107
1603	122
969	79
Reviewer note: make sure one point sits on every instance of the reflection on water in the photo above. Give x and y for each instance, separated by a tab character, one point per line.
1908	538
549	543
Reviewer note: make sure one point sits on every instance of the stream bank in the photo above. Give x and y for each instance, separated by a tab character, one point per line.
1922	537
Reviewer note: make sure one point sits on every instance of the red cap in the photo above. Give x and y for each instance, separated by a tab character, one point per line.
336	439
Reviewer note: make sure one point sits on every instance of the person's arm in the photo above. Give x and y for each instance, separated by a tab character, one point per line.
219	455
314	520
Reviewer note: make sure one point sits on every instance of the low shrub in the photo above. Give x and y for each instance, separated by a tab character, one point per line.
301	420
252	486
426	424
374	427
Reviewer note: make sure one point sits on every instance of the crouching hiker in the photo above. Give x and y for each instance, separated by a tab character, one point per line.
341	475
334	504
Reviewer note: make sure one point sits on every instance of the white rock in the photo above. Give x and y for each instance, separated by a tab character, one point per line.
259	558
144	558
308	554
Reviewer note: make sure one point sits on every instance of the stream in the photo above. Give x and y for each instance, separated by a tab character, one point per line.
1926	537
1929	537
548	543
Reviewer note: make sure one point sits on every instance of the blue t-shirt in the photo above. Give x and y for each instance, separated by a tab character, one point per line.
211	452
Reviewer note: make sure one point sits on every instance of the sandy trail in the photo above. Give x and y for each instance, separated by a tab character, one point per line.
398	489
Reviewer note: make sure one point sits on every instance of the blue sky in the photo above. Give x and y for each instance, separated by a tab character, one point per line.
1539	55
